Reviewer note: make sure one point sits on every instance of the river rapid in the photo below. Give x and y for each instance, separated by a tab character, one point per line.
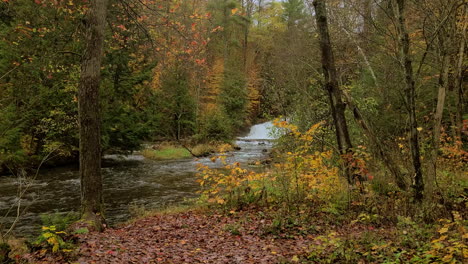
129	182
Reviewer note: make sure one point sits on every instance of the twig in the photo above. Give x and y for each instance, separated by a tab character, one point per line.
21	193
8	72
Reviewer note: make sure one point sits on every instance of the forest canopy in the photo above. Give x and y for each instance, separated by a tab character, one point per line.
204	69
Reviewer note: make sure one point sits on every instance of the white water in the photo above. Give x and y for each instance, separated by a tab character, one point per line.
260	132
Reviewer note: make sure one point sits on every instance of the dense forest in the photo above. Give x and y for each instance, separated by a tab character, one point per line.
370	91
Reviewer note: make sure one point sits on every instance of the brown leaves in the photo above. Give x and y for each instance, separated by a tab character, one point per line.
189	237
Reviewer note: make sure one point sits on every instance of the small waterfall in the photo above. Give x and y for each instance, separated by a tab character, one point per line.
260	132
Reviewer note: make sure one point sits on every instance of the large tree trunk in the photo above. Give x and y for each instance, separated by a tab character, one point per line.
331	85
410	92
89	116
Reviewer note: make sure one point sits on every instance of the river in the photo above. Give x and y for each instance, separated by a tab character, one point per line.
130	181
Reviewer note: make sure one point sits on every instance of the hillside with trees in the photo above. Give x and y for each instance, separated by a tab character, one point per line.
369	99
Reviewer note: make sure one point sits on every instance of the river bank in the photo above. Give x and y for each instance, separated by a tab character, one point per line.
131	183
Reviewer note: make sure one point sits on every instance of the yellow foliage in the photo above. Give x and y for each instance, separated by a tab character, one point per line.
451	246
302	174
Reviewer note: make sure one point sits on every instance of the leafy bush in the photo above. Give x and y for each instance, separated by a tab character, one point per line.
60	221
302	175
52	239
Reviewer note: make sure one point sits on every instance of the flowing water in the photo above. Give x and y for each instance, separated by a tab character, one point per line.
130	181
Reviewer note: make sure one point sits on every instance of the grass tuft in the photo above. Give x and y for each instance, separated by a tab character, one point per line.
167	153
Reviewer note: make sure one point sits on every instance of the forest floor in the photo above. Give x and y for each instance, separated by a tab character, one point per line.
200	236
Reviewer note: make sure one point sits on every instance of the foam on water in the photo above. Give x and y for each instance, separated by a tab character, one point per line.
260	132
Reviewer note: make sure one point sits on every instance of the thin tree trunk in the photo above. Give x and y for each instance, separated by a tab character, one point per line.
443	83
331	85
404	42
366	61
367	17
89	116
247	5
459	79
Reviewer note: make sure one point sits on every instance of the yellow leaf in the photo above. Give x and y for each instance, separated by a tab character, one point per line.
447	258
419	129
437	246
47	234
443	230
295	259
234	11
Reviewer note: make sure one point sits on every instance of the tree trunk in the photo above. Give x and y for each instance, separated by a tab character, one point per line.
367	17
89	116
331	85
459	79
247	5
443	83
410	93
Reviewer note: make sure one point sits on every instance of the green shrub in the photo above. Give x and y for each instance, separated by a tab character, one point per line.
60	221
215	126
4	251
53	240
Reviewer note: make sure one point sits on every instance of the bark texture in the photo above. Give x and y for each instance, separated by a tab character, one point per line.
443	83
331	84
89	116
410	94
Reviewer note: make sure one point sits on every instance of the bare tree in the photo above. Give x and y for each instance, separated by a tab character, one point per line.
410	94
331	85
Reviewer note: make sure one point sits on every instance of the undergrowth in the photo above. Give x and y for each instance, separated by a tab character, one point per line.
372	221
